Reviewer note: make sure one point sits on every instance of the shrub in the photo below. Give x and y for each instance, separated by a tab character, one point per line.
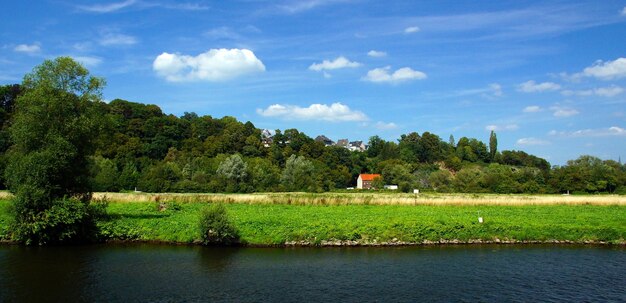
215	227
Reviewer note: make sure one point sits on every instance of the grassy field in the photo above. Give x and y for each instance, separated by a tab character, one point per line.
277	223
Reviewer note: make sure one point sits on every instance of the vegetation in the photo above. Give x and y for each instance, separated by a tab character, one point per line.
272	224
52	131
215	227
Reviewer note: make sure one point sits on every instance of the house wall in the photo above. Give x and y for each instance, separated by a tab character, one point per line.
359	183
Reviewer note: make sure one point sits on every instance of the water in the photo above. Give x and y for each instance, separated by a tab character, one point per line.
153	273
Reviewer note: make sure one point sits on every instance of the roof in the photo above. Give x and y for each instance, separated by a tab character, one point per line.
368	177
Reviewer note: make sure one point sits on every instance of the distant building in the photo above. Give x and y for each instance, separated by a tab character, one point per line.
357	146
391	187
266	138
343	143
365	180
325	140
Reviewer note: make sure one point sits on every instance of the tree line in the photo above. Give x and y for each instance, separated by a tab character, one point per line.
137	146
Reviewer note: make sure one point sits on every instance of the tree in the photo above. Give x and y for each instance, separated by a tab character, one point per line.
493	145
54	126
234	171
298	174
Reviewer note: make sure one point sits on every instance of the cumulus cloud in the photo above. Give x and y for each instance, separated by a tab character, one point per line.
563	112
376	54
412	29
531	141
385	126
340	62
111	39
335	112
532	109
607	70
213	65
597	132
610	91
504	127
28	49
532	87
384	75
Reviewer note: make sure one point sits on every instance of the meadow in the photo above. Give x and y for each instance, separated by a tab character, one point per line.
366	219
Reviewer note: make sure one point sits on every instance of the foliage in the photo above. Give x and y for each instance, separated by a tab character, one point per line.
298	174
142	147
215	227
268	224
54	123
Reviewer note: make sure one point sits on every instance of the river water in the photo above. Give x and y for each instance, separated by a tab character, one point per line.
160	273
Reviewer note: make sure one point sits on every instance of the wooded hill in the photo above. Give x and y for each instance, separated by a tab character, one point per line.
142	148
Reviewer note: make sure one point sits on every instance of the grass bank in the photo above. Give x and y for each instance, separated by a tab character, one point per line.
279	224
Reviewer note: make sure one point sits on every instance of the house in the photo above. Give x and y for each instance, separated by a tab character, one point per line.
266	138
325	140
357	146
365	180
343	143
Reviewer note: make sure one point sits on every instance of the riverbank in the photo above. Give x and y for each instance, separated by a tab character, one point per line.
367	225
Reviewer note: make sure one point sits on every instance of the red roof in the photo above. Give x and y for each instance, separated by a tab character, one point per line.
368	177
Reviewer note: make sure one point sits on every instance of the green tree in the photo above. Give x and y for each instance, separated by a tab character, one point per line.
493	145
54	126
234	170
298	174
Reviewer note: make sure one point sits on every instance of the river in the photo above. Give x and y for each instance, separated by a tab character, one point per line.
160	273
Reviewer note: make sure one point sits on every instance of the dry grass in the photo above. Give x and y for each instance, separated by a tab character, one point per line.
364	198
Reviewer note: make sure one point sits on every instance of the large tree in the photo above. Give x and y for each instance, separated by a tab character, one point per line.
54	125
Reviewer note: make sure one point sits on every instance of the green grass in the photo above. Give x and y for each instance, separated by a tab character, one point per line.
268	224
4	219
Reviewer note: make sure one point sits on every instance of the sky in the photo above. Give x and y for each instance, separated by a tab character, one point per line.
549	77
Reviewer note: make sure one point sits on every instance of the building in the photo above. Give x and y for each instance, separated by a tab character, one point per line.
325	140
365	180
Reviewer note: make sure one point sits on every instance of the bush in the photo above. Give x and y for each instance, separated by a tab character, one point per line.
66	220
215	227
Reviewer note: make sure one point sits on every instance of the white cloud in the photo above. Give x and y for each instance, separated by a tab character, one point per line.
412	29
29	49
88	61
383	74
385	126
562	112
340	62
376	54
532	87
505	127
107	8
213	65
111	39
610	91
336	112
598	132
531	141
623	12
607	70
532	109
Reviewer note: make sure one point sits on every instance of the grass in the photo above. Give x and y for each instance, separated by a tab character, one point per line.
371	198
363	198
277	224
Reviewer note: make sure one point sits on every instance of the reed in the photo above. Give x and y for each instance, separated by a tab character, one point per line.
368	198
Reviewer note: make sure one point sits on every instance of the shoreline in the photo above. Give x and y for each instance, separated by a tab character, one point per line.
348	243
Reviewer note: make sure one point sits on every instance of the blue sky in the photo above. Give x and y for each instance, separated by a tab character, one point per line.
548	76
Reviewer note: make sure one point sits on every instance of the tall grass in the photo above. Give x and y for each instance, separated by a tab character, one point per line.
370	198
